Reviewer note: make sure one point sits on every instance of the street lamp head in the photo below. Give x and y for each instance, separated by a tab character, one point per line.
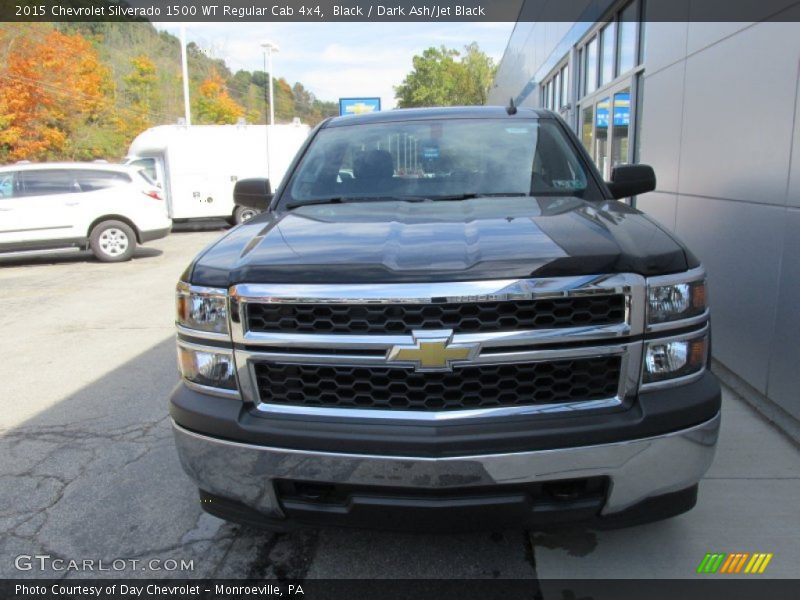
270	46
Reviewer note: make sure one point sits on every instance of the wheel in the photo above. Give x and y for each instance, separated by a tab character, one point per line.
112	241
242	214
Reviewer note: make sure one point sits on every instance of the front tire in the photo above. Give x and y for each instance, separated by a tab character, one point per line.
112	241
242	214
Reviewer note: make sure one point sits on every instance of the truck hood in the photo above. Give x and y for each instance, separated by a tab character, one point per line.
482	238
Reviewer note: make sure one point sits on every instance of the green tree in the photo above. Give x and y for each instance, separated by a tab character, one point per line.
478	74
141	92
444	77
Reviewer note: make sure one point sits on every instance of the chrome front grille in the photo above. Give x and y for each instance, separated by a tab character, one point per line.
463	388
466	317
512	347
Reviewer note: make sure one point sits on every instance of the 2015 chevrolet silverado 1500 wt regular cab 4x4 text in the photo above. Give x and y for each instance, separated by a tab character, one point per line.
445	319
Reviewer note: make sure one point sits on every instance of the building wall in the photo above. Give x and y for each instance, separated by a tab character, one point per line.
721	127
720	123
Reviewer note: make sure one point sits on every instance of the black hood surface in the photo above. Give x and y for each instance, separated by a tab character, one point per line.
482	238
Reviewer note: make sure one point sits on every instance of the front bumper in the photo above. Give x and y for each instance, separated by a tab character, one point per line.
636	470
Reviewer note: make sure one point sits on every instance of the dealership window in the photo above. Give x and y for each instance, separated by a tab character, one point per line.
555	89
610	84
607	52
590	67
626	49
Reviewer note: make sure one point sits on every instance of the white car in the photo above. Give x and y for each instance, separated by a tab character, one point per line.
55	207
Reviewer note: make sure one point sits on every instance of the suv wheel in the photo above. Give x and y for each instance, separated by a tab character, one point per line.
112	241
242	214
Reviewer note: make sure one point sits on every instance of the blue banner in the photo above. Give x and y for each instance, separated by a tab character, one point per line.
358	106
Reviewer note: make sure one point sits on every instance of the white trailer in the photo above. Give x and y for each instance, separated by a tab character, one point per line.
198	165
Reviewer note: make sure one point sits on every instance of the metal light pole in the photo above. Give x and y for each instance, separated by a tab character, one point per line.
185	75
269	48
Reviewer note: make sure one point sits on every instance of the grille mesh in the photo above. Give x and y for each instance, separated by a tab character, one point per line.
470	317
483	386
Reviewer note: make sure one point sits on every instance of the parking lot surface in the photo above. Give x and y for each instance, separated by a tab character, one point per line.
88	469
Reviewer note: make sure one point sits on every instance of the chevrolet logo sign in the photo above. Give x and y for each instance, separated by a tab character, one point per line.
432	351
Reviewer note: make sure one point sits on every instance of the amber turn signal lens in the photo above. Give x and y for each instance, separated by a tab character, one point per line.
697	352
699	295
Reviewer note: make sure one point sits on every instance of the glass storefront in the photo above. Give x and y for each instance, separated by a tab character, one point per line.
608	81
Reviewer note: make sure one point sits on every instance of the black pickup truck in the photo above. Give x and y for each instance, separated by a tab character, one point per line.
445	319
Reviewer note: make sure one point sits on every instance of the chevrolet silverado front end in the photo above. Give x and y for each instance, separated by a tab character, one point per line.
444	321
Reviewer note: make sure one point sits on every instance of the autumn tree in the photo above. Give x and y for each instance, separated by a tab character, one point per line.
56	99
84	90
284	100
214	105
444	77
141	92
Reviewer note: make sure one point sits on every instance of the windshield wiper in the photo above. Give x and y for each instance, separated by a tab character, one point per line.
471	196
349	199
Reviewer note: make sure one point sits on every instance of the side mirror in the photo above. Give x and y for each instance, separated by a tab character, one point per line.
252	193
631	180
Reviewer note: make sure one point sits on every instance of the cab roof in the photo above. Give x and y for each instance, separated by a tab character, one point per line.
450	112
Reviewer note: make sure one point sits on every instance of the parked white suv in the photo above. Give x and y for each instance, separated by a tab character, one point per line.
72	206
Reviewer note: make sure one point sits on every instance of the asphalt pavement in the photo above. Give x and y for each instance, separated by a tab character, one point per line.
88	469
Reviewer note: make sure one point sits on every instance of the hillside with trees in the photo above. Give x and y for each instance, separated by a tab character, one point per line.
81	91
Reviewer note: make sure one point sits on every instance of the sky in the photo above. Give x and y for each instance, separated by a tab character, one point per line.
336	60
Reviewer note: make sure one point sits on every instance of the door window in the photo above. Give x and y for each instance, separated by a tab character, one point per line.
148	165
91	181
47	182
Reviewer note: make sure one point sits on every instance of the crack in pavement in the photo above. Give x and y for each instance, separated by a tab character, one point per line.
285	556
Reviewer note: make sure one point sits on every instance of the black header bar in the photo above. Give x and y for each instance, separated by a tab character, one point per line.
700	588
323	11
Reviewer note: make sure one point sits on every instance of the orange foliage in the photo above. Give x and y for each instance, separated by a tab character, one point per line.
214	104
52	85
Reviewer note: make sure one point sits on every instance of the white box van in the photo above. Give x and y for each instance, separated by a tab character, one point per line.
57	207
198	165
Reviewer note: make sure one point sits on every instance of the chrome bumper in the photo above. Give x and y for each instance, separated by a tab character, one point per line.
638	469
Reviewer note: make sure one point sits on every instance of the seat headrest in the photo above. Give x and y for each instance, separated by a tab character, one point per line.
375	164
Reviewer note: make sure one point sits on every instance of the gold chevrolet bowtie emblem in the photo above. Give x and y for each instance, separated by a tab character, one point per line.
432	351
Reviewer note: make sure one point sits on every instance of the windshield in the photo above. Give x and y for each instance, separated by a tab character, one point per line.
439	159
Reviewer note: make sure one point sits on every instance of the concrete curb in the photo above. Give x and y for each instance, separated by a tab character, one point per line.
771	412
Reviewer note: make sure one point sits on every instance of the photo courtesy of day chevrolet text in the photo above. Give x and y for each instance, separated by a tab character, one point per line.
393	299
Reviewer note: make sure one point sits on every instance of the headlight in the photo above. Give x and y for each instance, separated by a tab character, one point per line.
670	359
204	309
207	367
675	301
